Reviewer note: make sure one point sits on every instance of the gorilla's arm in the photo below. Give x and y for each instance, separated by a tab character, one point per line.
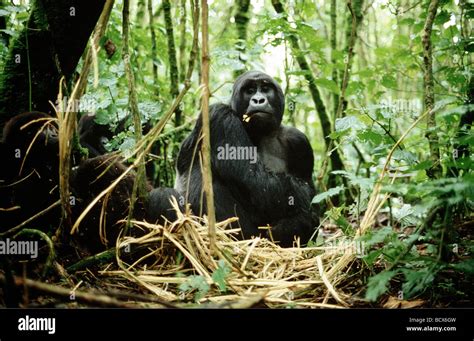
158	205
300	165
300	155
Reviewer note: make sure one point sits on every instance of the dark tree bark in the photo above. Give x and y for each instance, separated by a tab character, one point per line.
153	48
172	58
48	48
241	22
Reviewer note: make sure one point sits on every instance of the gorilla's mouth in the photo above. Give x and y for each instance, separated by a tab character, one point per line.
257	114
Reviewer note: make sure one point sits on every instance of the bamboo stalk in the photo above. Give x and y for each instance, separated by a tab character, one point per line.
206	145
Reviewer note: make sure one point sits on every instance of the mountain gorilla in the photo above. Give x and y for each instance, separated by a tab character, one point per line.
275	189
89	179
29	176
29	183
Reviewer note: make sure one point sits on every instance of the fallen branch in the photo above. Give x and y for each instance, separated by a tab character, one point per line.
93	298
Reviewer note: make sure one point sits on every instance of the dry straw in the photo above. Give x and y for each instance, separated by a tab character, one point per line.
259	268
261	271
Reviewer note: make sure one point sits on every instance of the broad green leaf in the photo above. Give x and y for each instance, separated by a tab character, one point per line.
378	285
370	136
361	182
220	274
348	122
372	256
327	84
406	156
417	280
466	266
195	283
323	196
378	236
389	82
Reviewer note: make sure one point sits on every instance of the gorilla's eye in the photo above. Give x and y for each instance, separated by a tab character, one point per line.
265	88
250	90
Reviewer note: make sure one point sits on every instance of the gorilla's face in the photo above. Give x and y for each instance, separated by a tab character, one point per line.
258	100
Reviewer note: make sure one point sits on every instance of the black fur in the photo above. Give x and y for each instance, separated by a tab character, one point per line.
28	181
158	207
277	189
89	180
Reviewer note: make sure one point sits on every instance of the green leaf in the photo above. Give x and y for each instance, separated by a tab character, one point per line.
220	274
407	21
372	256
370	136
456	111
466	266
195	283
366	73
378	285
389	82
337	134
327	84
348	122
417	280
354	88
378	237
406	156
442	17
422	165
345	226
361	182
323	196
405	215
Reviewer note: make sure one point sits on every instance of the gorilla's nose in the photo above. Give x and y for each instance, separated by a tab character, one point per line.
258	101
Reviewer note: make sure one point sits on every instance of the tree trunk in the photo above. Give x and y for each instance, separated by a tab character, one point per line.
241	22
182	42
48	48
428	81
172	58
353	23
154	58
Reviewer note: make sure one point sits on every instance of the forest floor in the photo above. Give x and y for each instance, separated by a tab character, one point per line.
172	266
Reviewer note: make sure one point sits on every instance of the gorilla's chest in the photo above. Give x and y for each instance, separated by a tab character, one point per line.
272	152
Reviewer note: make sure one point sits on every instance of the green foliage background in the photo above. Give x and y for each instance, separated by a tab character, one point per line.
422	238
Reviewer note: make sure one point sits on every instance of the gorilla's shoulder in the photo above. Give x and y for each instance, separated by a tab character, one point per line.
293	135
220	109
